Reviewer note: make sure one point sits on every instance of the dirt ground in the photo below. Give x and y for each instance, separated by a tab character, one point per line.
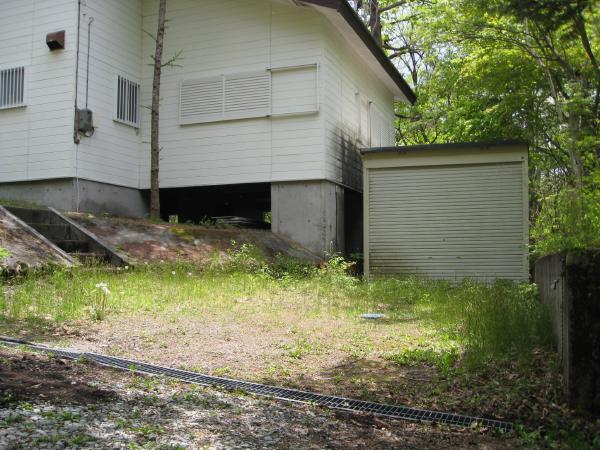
258	354
43	399
143	241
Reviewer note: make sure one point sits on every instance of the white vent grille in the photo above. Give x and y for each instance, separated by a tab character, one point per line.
201	100
12	87
247	95
228	97
127	102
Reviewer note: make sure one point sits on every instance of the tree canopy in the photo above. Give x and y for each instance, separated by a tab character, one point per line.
507	69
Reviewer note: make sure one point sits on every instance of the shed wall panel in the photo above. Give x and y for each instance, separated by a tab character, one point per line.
450	221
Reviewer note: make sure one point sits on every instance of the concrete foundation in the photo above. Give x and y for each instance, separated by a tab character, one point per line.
69	194
313	213
309	212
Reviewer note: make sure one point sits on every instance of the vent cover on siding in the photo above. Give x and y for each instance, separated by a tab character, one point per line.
12	87
247	95
201	100
225	98
127	101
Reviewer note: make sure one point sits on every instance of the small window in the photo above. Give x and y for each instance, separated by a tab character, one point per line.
127	102
12	87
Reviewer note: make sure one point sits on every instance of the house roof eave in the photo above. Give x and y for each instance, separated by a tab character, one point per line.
355	22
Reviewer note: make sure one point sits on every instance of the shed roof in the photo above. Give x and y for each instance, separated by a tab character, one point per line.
355	22
449	146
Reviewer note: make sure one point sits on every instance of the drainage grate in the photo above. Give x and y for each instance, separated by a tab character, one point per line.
293	395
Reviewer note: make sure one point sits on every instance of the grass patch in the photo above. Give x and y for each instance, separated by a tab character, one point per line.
468	347
19	203
486	320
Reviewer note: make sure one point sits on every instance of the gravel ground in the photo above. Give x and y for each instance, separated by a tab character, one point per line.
48	403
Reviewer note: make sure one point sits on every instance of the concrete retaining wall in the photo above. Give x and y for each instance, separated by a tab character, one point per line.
69	194
569	285
309	212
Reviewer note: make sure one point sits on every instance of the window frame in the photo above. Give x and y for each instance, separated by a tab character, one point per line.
116	117
25	82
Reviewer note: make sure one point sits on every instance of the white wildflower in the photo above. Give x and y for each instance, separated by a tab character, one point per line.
103	287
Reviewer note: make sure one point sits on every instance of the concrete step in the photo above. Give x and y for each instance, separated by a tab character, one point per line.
52	231
67	234
31	215
74	245
89	258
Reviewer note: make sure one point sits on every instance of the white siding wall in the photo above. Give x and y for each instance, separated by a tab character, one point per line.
228	37
347	83
112	154
224	37
36	142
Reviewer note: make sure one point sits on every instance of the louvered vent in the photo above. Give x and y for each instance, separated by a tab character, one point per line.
228	97
12	87
201	100
247	95
127	102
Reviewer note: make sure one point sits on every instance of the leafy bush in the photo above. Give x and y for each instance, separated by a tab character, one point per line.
241	257
566	221
336	271
284	267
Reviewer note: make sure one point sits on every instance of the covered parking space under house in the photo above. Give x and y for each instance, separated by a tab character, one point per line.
449	211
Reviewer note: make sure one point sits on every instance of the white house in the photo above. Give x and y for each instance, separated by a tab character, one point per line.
265	111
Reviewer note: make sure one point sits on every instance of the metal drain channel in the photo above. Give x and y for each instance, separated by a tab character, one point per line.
280	393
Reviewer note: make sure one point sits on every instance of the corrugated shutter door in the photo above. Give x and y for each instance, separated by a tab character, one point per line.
447	222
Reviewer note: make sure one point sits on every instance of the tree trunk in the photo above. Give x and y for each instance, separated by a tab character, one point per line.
574	152
154	144
375	20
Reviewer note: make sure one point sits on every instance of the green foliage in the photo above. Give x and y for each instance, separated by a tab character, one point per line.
512	69
502	319
443	359
4	253
242	257
567	221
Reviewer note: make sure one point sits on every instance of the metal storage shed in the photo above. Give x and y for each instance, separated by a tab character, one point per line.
449	211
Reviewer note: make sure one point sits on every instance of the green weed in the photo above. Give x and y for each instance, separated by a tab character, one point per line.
442	359
486	320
